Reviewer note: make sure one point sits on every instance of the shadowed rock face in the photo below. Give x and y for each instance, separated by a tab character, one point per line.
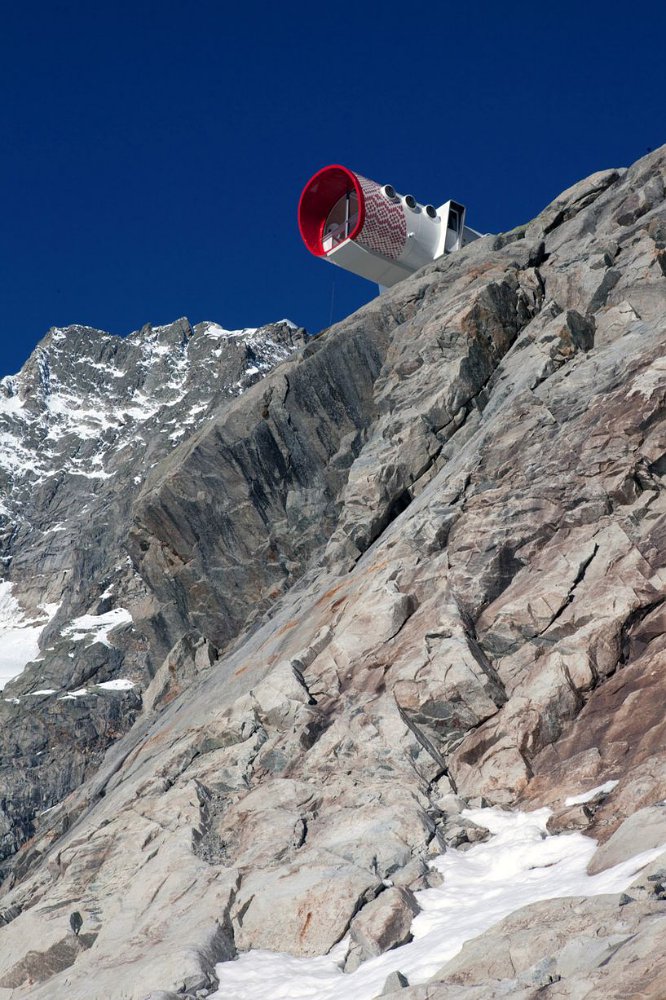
419	562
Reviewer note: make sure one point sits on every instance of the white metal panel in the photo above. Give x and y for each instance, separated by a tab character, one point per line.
372	266
424	237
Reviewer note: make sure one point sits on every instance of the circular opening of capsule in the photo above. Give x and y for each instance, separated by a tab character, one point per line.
389	192
410	201
431	211
331	209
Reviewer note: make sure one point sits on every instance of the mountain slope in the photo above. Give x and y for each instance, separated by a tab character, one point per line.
81	427
420	564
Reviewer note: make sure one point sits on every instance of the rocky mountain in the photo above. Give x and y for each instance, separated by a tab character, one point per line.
349	646
81	427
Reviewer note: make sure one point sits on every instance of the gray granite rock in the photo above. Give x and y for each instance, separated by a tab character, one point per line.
382	924
396	981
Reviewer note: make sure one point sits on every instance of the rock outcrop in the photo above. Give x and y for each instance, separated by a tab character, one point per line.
420	563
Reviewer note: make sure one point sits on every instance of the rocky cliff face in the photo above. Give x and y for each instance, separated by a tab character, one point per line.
418	565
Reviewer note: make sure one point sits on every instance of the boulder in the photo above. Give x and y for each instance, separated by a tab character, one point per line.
382	924
642	831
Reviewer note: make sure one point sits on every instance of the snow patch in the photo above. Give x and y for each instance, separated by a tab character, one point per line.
11	405
73	471
198	408
19	636
217	332
578	800
79	693
120	684
96	628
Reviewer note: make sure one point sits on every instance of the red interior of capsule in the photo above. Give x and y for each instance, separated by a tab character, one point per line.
320	195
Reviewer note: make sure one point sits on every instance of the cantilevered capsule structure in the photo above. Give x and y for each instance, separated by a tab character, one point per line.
372	230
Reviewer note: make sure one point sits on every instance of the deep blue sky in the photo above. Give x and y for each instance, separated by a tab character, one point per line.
152	154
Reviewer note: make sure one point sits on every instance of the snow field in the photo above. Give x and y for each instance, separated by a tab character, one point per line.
520	864
19	636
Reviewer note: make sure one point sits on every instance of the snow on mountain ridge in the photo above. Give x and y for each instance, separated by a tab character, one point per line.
85	395
81	426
